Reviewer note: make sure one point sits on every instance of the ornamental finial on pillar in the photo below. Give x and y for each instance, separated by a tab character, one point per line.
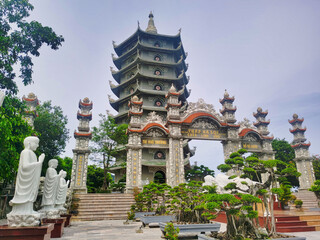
151	27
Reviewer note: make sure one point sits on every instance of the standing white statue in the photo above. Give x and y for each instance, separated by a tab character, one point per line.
1	98
27	185
62	193
50	190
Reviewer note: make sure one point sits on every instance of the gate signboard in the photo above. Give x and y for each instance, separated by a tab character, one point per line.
200	133
251	146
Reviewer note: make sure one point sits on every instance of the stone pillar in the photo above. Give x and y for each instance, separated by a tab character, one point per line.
301	149
31	102
81	151
134	147
175	162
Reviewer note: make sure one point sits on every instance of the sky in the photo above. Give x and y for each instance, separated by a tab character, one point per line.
265	53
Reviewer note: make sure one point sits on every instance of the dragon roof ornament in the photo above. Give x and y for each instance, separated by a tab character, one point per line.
245	123
153	117
200	105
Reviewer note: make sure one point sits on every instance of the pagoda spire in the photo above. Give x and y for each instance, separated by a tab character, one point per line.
151	27
301	149
228	110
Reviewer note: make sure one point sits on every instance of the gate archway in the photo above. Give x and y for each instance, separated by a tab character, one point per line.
198	120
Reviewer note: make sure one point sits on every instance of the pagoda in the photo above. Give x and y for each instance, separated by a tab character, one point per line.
30	113
81	151
148	65
301	149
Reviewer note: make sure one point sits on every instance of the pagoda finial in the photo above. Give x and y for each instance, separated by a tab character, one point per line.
151	27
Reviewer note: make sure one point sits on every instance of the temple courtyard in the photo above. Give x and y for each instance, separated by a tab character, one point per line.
116	230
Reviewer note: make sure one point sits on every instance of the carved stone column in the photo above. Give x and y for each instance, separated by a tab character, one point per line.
81	151
134	147
301	149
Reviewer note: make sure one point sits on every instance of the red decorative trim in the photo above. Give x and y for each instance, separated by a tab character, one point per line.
190	118
149	125
174	105
301	144
82	134
261	122
172	93
228	110
85	104
137	103
31	100
246	131
266	137
260	113
226	99
296	120
134	113
297	130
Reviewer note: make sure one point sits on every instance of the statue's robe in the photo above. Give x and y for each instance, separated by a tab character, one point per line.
50	187
28	178
62	192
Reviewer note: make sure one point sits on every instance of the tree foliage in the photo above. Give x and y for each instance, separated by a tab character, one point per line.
95	177
13	130
53	133
65	164
19	41
107	139
197	173
316	166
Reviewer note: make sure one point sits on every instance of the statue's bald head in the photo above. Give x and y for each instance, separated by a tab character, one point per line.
29	140
53	163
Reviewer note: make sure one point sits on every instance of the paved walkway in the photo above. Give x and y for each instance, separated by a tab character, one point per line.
116	230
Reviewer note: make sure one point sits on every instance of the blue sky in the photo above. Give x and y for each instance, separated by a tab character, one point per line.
266	53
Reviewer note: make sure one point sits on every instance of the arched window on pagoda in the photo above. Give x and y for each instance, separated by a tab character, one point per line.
159	155
157	44
157	58
158	72
158	103
157	87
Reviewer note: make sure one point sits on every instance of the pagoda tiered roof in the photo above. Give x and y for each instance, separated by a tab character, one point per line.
226	109
139	32
307	145
79	134
298	130
85	103
84	116
180	65
260	114
263	123
178	51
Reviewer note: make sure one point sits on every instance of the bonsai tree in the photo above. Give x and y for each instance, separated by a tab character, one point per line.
298	203
275	172
197	173
242	219
152	198
187	202
316	188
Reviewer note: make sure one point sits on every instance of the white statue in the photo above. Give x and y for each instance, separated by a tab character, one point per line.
1	98
221	180
62	193
27	185
50	190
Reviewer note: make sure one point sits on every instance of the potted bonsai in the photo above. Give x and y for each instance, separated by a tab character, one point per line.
298	203
152	200
187	202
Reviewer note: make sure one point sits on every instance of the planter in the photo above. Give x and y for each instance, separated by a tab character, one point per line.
58	226
194	228
27	233
157	219
204	237
140	214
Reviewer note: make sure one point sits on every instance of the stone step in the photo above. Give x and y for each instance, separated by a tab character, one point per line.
286	218
296	229
106	201
291	223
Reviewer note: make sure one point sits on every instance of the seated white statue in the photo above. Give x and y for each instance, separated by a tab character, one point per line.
27	185
62	192
50	186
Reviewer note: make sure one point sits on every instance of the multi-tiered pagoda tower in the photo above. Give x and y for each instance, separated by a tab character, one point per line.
148	64
301	149
81	151
30	113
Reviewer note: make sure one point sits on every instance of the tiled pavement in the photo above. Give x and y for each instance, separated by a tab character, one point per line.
116	230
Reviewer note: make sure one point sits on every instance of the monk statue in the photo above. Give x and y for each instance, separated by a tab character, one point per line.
50	190
27	185
62	193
